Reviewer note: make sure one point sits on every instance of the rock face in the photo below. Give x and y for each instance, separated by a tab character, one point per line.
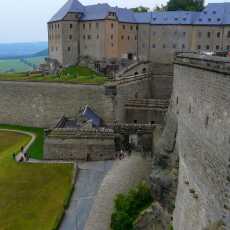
163	180
201	100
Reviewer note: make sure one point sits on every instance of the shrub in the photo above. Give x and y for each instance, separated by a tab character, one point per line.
128	206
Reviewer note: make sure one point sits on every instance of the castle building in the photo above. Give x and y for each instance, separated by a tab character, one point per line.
102	32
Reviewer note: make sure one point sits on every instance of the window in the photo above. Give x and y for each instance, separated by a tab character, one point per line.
56	48
58	26
70	37
89	36
69	48
174	46
97	25
90	26
112	25
84	37
111	37
214	12
136	27
153	46
131	27
209	19
206	121
208	34
164	46
199	47
199	34
177	100
113	14
207	47
128	37
71	26
112	44
98	36
122	37
218	34
123	27
228	47
183	46
228	35
135	37
190	108
83	26
184	34
217	47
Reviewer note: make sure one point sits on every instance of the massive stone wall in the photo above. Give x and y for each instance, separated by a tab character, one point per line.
201	100
42	104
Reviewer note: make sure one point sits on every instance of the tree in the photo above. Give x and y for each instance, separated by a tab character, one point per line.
188	5
140	9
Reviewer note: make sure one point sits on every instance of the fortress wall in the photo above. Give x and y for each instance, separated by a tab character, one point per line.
201	100
130	90
42	104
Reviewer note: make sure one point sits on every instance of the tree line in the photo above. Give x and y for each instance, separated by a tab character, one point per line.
174	5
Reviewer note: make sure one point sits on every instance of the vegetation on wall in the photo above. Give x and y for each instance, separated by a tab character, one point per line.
140	9
128	207
74	74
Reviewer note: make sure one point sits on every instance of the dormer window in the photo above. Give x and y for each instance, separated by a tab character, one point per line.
209	19
205	12
154	19
112	14
175	19
200	19
214	12
218	19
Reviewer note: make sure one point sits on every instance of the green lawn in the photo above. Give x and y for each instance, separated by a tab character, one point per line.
32	195
36	149
75	74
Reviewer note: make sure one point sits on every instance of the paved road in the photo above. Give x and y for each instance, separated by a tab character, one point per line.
88	181
123	175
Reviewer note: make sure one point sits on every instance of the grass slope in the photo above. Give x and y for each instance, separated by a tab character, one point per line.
36	149
75	74
32	195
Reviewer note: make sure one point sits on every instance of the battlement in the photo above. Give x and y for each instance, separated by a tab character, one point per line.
208	62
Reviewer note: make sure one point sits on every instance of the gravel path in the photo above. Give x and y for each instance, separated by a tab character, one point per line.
89	177
124	175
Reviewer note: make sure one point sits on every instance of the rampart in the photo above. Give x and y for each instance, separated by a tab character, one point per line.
42	104
201	100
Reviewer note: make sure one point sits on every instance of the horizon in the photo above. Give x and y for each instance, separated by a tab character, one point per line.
31	25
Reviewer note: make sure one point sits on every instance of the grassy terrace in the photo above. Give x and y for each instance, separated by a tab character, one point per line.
32	195
75	74
36	149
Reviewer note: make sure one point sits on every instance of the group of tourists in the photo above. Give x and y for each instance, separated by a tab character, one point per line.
122	154
22	156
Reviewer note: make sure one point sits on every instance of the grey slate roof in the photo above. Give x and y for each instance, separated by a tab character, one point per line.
72	6
213	14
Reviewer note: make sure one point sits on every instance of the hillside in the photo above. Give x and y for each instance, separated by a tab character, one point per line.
12	50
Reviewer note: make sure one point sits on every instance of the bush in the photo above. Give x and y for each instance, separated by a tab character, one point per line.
128	207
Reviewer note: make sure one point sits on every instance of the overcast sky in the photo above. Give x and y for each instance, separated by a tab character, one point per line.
25	20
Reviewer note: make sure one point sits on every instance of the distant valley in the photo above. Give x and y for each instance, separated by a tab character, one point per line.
22	57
